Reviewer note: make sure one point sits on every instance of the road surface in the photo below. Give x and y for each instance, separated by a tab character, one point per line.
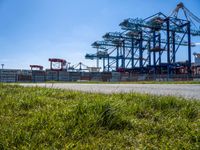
189	91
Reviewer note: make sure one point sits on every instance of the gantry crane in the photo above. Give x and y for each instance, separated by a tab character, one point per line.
148	44
36	67
78	67
57	64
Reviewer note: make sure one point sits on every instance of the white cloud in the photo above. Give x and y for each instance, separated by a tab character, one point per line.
197	44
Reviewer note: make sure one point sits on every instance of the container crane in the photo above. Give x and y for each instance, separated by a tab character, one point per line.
153	43
79	67
188	15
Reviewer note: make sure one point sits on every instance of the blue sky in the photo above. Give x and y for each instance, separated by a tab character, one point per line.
31	31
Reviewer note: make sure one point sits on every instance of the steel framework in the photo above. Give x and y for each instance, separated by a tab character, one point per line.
78	67
147	45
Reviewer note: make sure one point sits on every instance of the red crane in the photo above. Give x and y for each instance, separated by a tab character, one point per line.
57	64
36	67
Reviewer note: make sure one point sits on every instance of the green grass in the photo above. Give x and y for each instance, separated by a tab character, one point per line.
39	118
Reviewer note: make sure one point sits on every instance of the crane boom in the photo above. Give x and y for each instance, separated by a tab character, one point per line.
188	14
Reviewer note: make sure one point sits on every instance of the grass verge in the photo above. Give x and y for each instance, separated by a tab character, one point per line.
39	118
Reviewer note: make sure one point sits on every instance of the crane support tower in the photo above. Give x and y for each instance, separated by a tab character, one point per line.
151	45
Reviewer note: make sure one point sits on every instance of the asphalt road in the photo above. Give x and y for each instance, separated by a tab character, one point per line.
189	91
